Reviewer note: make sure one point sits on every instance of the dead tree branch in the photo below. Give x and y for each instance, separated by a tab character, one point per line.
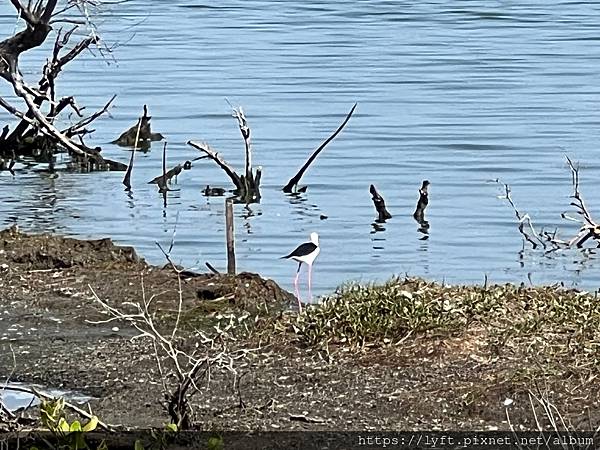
36	128
230	171
127	177
522	219
163	180
247	185
79	127
419	214
186	367
589	227
292	185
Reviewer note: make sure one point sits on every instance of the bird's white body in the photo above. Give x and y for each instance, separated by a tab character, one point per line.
308	259
305	253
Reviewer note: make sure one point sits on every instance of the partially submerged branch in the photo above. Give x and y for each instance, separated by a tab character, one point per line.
419	214
423	201
292	184
589	228
533	237
165	179
141	133
210	153
247	185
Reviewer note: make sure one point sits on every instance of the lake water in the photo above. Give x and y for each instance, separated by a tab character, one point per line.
456	92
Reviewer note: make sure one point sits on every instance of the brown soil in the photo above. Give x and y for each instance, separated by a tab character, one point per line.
449	381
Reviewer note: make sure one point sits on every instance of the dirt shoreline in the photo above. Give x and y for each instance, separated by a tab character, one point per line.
431	381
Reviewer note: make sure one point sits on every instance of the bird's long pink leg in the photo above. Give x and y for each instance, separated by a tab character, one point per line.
296	287
310	282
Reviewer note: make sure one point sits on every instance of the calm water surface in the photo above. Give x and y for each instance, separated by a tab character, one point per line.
457	92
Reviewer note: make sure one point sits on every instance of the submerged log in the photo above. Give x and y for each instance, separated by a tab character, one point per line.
379	202
292	184
141	133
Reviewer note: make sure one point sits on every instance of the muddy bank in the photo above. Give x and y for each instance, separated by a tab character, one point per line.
462	373
46	304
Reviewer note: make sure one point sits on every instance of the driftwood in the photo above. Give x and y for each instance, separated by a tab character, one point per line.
292	185
589	227
163	180
247	186
139	135
36	133
379	202
548	240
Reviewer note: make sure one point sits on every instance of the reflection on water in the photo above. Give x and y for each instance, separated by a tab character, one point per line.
453	92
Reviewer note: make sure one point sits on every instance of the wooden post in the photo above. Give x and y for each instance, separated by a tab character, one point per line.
230	236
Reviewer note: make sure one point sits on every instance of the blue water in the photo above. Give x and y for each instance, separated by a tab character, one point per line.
458	93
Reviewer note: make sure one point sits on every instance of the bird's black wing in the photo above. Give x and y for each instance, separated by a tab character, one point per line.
302	250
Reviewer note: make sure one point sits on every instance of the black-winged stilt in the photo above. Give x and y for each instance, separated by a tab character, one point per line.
305	253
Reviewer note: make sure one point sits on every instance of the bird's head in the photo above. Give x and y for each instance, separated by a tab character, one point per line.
314	238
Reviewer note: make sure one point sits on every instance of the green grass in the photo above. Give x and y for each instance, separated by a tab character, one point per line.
553	320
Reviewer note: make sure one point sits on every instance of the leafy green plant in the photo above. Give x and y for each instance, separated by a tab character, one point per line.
215	443
69	435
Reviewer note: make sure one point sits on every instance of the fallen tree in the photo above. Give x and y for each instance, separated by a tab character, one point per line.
37	133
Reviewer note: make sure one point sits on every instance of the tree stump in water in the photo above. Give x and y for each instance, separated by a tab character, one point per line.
379	202
142	130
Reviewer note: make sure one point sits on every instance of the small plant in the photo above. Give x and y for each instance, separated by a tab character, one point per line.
68	435
215	443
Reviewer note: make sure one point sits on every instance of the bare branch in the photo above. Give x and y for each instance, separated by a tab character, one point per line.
205	148
79	127
187	368
289	187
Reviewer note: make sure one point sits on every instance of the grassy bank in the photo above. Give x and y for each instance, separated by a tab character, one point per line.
558	327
